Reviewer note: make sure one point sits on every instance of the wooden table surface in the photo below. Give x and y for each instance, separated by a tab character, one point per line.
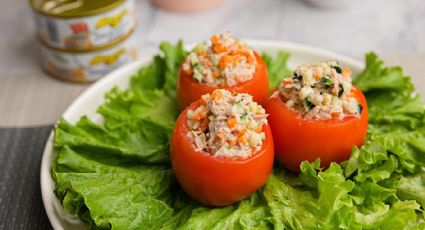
396	31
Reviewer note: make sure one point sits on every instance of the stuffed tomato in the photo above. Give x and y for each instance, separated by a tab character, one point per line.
224	63
222	148
317	113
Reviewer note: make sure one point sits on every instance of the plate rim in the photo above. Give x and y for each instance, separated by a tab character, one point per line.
46	180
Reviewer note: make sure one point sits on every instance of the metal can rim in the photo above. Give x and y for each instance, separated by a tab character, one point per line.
97	48
93	12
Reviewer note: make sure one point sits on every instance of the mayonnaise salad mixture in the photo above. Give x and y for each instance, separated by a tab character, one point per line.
320	91
224	61
227	125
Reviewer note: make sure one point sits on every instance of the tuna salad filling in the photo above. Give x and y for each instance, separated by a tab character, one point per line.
320	91
227	125
224	61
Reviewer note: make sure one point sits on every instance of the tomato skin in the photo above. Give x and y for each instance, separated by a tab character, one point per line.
190	90
297	139
218	181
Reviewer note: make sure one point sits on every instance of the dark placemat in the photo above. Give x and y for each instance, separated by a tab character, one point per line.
21	150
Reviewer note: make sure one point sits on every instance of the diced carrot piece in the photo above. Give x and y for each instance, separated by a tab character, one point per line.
224	61
216	74
220	48
216	95
214	39
245	52
242	139
258	129
335	114
202	53
258	112
207	63
201	114
232	142
346	72
232	122
250	59
243	131
204	124
316	74
235	61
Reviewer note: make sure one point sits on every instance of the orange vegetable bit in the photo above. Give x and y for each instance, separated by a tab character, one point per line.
201	114
216	95
225	61
214	39
236	60
250	59
243	131
204	124
242	140
202	53
346	72
232	122
335	114
317	74
258	129
231	142
207	63
216	74
219	48
259	112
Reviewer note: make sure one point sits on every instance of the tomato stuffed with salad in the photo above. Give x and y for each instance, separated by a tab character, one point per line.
223	63
317	113
222	148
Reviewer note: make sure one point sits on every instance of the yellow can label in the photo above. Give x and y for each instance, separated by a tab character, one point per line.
107	59
88	66
86	33
112	22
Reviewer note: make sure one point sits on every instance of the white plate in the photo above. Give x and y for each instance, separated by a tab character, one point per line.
93	97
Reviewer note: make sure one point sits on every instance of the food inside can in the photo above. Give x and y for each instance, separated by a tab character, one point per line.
87	66
82	24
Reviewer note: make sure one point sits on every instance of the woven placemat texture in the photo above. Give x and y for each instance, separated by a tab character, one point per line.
21	150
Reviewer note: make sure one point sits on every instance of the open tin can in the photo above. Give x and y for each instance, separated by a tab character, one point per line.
79	25
91	65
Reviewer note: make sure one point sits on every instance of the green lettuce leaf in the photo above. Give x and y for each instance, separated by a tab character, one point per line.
276	68
120	200
117	175
143	141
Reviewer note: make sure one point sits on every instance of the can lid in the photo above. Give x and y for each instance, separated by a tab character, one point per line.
73	8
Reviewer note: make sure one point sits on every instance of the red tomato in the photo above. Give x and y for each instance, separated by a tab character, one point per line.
218	181
190	90
297	139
